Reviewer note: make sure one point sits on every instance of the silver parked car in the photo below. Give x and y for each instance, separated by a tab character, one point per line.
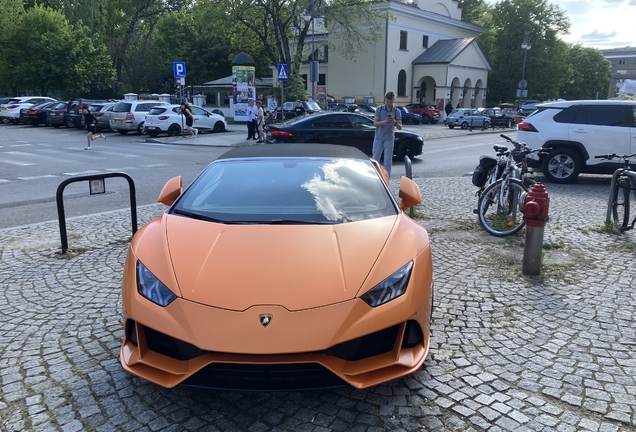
467	118
130	115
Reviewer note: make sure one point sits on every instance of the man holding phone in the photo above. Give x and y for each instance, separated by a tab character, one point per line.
387	118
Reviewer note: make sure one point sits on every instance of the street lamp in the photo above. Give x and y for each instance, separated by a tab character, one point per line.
313	66
523	85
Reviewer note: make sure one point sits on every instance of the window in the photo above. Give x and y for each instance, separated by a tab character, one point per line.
424	41
567	115
403	38
322	79
401	87
606	115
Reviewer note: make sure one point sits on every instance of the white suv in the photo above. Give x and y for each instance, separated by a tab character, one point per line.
129	115
576	132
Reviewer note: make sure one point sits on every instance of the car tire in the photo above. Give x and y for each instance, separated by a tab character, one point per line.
562	165
174	129
451	126
426	119
464	125
219	127
405	148
68	122
140	129
408	121
123	132
433	121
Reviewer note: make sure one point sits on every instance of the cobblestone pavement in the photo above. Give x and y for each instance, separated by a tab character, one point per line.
509	352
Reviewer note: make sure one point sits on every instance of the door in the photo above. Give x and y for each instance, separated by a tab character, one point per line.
363	133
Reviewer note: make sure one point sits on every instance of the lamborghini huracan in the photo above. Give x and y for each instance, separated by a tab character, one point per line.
282	266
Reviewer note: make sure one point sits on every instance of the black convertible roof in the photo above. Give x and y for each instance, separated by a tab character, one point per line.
294	150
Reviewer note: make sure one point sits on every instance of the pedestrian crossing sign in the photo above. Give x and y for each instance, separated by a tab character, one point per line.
283	74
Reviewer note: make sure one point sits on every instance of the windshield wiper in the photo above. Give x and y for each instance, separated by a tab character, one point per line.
302	222
198	216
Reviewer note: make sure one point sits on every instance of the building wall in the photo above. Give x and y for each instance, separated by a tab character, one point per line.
369	67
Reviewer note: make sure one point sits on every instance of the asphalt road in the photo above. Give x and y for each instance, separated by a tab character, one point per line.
34	161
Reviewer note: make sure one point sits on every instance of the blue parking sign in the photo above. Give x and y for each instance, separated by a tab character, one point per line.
283	74
179	69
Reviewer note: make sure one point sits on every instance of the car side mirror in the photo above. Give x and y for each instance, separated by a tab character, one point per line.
171	191
410	194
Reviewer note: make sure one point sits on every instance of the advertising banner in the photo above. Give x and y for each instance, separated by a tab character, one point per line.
243	80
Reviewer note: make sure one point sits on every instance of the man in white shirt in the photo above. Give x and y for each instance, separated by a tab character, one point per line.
252	113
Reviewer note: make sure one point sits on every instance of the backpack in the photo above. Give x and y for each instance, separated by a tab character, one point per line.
480	175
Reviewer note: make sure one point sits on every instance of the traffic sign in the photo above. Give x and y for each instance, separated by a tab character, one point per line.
179	69
523	84
283	73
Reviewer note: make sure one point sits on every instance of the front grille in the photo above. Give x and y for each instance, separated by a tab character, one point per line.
265	377
171	347
366	346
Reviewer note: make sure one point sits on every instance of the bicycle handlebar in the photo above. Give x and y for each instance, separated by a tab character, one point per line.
614	156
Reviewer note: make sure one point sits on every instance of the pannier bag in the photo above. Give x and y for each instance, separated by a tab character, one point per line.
480	175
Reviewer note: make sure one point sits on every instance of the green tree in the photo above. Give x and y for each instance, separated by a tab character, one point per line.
10	16
46	53
545	70
590	74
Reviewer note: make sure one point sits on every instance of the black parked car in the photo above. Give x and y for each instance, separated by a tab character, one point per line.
408	117
57	114
342	128
497	117
74	116
289	108
36	115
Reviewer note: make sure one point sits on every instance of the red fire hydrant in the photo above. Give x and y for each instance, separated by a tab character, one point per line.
535	215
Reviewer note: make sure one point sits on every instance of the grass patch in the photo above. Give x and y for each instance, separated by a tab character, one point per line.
609	228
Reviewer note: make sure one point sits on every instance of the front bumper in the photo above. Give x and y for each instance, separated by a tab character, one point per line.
187	342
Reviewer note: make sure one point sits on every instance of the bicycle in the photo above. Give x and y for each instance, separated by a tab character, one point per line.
498	201
271	118
623	181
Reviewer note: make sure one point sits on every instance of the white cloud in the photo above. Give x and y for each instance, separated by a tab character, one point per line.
598	36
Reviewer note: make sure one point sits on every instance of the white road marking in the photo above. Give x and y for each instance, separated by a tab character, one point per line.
121	169
154	165
119	154
80	173
37	177
5	181
25	144
20	153
18	163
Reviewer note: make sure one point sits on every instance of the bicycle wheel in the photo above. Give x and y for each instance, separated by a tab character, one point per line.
499	212
620	205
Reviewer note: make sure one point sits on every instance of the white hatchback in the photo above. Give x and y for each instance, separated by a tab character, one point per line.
166	119
10	112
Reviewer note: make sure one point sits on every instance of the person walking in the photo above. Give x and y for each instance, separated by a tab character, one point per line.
448	108
186	110
387	118
91	124
260	119
252	112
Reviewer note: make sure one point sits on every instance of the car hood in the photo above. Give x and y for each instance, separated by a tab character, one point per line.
296	266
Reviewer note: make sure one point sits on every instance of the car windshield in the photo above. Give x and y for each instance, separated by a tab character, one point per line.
60	105
160	110
95	108
314	106
287	191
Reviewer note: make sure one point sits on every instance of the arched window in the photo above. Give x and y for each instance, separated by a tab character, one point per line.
401	88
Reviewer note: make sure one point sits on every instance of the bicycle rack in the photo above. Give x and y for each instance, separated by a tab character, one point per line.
95	188
409	173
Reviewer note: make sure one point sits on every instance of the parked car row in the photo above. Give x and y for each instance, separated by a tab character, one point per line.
120	116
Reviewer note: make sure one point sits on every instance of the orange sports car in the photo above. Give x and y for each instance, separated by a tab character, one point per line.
281	266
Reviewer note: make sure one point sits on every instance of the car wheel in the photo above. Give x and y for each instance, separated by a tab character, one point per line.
174	129
426	119
433	121
219	127
123	132
405	148
140	129
153	133
451	126
487	125
562	165
408	121
68	122
464	125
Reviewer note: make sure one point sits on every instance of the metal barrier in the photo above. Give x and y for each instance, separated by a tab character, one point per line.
96	186
408	171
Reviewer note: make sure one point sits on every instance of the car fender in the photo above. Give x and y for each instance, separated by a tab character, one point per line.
574	145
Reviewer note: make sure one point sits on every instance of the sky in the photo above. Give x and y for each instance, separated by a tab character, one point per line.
600	23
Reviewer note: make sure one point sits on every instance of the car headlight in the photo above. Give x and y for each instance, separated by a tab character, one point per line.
152	288
390	288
